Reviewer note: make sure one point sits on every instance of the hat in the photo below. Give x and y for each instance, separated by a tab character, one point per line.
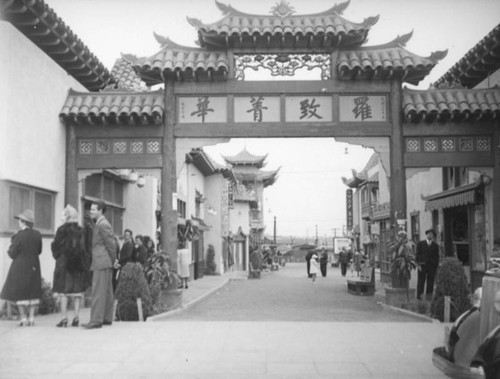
431	231
27	216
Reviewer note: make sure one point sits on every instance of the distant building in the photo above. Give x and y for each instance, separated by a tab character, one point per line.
253	180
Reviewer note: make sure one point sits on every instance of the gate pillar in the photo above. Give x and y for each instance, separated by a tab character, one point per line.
71	179
496	186
169	178
398	175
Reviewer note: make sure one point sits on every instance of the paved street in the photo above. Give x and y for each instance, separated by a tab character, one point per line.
232	341
287	295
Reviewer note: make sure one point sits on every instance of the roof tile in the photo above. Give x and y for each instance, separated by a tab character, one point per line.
133	108
451	104
188	63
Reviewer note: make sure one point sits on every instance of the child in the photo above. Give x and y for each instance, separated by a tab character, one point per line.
314	267
351	267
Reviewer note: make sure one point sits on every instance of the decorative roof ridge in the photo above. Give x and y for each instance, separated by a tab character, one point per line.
447	89
336	10
228	10
73	92
167	42
400	42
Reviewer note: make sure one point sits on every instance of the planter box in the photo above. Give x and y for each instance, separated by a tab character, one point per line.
397	296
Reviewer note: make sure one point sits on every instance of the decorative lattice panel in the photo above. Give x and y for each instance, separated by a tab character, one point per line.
448	144
102	147
86	147
120	147
413	145
430	144
153	146
483	144
137	147
466	144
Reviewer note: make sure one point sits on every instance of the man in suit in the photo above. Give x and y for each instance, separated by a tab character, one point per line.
103	258
428	259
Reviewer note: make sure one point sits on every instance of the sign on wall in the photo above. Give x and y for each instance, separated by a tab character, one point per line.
257	109
362	108
267	109
308	109
202	109
349	210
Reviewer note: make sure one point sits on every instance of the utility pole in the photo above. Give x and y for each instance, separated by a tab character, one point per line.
316	240
274	235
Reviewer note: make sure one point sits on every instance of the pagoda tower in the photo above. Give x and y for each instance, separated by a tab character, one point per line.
252	181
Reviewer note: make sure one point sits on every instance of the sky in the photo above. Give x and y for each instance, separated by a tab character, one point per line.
309	196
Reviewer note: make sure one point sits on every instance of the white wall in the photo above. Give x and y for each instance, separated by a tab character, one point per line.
240	217
32	139
213	193
422	182
140	206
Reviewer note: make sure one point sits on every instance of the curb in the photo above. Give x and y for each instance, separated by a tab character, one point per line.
409	313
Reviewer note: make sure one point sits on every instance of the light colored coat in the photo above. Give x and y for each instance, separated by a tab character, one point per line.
103	245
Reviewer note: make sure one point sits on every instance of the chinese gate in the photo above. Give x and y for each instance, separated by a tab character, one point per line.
360	94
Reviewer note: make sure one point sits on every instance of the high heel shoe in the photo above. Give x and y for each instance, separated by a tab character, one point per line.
31	323
62	323
23	322
75	321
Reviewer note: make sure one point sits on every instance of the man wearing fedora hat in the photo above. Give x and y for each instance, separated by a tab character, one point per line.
427	257
23	285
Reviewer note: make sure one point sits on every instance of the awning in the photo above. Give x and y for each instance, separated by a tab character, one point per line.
454	197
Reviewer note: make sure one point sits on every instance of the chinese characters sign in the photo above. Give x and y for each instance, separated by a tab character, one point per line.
202	109
362	108
349	209
257	109
308	109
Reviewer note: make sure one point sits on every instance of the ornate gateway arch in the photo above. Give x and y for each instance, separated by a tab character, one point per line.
205	95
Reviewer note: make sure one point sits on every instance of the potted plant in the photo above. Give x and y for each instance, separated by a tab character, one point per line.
131	286
163	282
402	262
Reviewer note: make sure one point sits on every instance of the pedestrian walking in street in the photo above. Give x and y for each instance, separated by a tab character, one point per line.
314	269
70	274
427	257
323	262
344	261
308	262
103	258
23	285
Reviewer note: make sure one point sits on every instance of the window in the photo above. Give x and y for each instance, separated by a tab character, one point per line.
21	197
454	177
181	208
109	188
415	226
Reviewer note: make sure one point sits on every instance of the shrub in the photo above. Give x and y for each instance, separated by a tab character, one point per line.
450	281
210	266
48	303
131	286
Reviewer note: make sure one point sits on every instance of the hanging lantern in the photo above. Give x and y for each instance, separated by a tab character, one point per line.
141	181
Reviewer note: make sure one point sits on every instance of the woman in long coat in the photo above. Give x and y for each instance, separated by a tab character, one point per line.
23	285
70	274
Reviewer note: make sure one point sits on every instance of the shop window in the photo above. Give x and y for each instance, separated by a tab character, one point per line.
21	197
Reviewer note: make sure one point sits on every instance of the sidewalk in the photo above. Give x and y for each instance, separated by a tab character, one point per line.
184	349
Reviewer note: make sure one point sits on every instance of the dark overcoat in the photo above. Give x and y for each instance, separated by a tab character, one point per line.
71	255
24	279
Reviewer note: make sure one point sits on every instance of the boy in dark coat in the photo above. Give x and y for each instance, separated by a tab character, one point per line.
427	258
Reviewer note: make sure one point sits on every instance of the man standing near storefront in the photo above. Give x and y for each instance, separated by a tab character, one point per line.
427	258
103	257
